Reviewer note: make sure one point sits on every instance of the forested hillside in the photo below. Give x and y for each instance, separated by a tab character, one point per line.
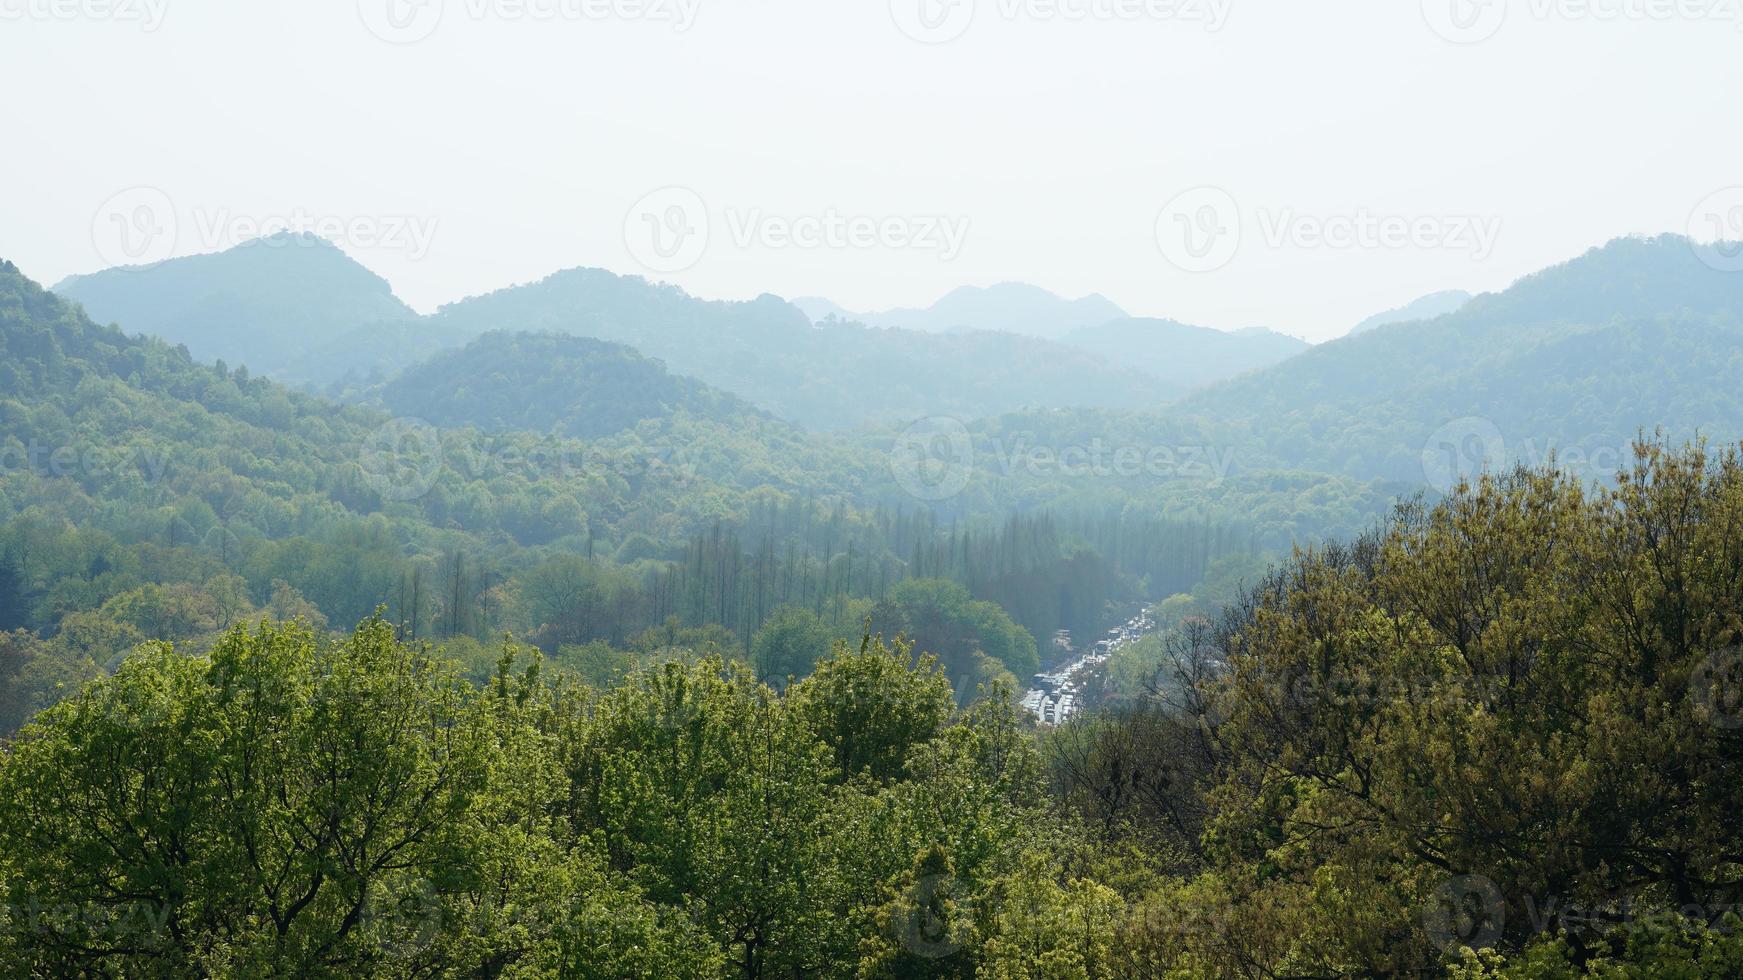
1496	739
299	310
1185	356
1425	308
1580	358
767	352
570	386
148	496
264	304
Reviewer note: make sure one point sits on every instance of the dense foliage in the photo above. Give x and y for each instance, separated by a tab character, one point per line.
1508	723
569	386
146	496
1497	739
289	805
1579	359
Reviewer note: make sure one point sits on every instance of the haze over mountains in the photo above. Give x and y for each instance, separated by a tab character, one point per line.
1013	307
565	385
326	323
1426	308
1637	334
265	303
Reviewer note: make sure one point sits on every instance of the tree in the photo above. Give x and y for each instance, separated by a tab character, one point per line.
870	706
788	643
285	807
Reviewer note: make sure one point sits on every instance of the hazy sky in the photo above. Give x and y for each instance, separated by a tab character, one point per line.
1228	162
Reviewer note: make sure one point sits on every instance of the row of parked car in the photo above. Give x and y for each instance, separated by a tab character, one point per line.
1054	696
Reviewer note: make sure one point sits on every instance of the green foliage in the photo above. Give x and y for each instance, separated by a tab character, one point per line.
941	619
569	386
1509	722
870	707
788	644
295	804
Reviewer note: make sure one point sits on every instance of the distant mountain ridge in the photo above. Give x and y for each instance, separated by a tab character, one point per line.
1638	334
265	303
1011	307
1426	308
837	375
310	316
1182	355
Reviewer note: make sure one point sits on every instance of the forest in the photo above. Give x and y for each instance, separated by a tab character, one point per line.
907	490
1496	737
539	659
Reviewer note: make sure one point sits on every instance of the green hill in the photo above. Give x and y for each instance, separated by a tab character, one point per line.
834	375
265	304
572	386
1642	333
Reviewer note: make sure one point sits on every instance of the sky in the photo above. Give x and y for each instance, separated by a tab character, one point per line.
1231	163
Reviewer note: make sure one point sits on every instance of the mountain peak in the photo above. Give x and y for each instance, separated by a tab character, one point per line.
263	303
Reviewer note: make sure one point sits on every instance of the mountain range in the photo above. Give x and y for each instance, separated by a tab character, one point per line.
1012	307
265	303
297	309
1639	334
